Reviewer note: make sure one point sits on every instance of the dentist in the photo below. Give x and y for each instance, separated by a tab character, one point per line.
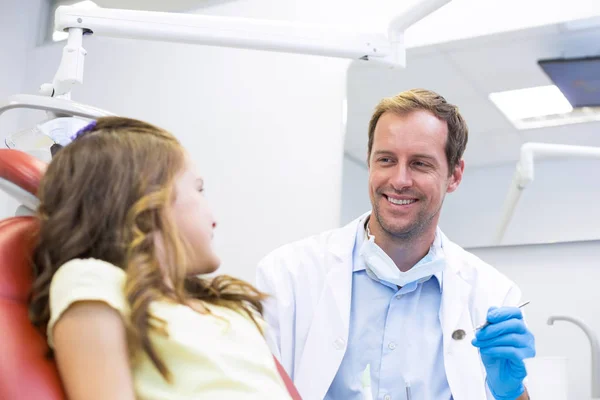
389	296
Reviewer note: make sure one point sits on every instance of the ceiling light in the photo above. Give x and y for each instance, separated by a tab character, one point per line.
541	106
531	102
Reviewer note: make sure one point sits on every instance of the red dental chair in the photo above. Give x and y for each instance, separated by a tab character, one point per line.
25	372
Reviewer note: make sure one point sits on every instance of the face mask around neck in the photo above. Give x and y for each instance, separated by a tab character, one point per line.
383	267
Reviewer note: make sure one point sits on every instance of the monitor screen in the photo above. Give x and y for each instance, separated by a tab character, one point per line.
577	78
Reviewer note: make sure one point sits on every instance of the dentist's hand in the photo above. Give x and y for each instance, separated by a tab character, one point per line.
504	344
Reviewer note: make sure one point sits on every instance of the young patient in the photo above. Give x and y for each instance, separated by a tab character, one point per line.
125	232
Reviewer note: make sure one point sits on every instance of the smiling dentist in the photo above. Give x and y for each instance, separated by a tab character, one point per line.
389	295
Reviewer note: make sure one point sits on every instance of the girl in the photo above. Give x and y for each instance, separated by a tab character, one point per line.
125	231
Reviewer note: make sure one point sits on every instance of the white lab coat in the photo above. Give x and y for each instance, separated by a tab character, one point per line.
310	286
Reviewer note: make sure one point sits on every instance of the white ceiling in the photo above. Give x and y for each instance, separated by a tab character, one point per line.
466	72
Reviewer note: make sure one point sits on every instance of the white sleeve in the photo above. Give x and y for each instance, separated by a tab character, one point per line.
265	284
513	297
85	280
279	309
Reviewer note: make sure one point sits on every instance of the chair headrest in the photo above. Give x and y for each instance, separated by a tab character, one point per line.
20	175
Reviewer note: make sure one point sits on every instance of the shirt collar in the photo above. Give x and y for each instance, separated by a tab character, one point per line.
436	251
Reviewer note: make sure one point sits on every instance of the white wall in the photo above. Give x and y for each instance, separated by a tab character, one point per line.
19	24
558	279
248	118
15	42
561	204
355	196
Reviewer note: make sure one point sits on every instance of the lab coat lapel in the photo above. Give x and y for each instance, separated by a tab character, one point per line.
461	358
328	334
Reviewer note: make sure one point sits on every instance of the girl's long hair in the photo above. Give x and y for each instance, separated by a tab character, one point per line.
106	196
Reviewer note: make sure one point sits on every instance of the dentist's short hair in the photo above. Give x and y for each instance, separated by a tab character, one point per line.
427	100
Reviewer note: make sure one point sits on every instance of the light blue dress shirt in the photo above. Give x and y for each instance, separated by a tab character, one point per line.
397	333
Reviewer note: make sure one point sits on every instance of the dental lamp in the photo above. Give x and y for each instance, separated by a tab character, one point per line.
246	33
63	118
524	173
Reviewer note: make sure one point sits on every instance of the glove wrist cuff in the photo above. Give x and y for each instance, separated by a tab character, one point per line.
514	395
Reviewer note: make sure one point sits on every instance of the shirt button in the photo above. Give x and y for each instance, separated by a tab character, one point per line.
398	296
387	397
339	343
391	345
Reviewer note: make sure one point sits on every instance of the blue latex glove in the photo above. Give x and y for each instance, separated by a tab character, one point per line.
503	346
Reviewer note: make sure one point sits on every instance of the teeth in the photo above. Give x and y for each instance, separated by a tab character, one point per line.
400	202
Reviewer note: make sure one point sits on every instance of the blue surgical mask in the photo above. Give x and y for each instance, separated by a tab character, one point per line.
378	263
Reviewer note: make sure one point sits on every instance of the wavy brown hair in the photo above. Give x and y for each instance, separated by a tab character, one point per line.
107	196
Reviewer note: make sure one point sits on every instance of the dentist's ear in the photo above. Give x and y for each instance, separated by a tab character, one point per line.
456	176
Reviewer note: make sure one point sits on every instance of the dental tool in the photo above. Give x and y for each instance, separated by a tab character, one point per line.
487	323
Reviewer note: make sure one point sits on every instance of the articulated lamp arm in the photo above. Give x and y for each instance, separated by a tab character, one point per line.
228	32
524	173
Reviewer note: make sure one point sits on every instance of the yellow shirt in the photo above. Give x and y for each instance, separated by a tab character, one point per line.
208	357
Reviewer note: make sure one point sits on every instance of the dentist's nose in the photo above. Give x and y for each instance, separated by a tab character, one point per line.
402	177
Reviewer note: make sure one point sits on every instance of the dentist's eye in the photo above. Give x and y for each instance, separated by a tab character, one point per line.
421	164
